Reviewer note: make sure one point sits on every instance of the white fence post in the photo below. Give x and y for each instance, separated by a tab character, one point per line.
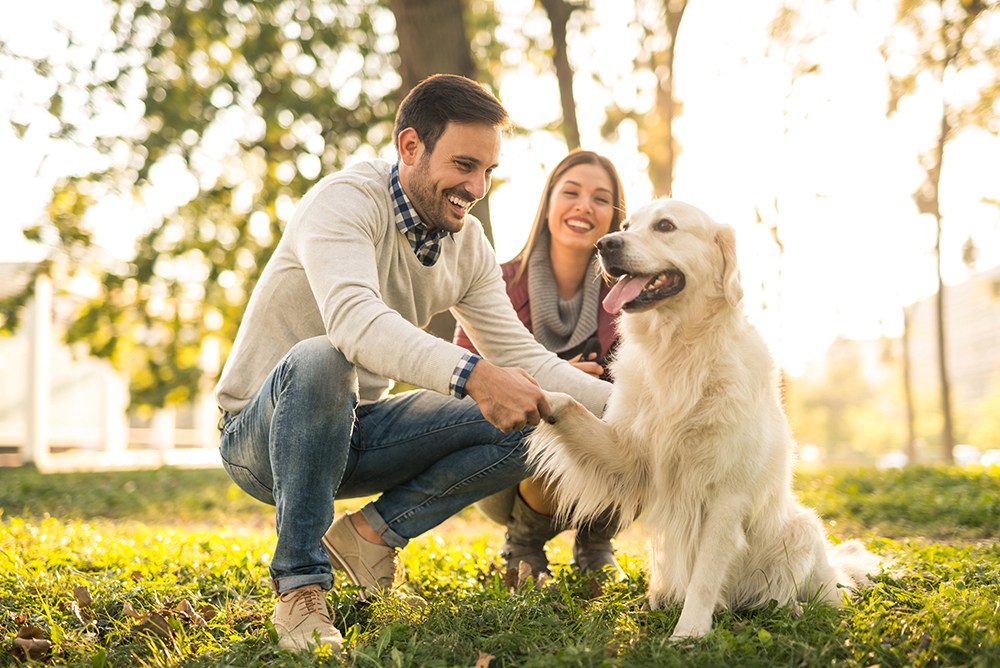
206	416
164	425
114	418
36	444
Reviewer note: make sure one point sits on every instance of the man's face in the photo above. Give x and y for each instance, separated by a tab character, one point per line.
444	184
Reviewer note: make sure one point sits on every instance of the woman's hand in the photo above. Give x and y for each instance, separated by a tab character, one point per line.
592	368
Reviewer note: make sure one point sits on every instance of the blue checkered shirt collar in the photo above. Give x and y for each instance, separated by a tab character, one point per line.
425	242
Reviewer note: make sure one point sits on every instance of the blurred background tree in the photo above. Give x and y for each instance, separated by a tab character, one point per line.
243	105
211	118
944	48
660	24
237	107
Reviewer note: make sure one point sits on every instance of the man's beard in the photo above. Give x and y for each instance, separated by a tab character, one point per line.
433	205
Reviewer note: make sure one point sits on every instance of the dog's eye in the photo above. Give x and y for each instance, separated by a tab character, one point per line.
665	225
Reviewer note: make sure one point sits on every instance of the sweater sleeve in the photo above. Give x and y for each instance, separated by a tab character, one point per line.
335	241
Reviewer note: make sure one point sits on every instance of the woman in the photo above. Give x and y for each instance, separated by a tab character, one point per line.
555	286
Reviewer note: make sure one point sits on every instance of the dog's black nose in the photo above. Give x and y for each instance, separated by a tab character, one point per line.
610	242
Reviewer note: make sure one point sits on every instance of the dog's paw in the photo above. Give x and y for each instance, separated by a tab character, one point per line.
691	625
561	405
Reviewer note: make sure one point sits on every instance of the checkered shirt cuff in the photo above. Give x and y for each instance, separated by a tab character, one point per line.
461	374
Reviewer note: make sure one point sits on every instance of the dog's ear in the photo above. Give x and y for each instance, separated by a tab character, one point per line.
731	286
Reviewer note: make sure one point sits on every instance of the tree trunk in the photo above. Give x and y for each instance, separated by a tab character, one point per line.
559	12
948	432
934	174
660	147
911	432
432	40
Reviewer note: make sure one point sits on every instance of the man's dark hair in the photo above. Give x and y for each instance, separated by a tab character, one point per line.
447	98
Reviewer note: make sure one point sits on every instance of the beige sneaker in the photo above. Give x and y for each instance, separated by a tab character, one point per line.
302	619
374	567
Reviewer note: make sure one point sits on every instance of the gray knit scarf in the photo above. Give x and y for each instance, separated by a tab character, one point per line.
560	324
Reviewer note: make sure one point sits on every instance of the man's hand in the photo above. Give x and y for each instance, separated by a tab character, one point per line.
508	397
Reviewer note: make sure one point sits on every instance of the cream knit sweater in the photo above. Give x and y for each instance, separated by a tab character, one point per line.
343	270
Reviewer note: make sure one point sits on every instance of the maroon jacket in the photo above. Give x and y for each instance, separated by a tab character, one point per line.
518	293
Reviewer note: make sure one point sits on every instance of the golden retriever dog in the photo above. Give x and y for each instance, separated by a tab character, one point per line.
694	434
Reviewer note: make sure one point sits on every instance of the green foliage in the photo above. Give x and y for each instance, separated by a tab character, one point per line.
934	606
158	496
254	100
944	503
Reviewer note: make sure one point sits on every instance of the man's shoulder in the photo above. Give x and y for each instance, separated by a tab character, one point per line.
369	174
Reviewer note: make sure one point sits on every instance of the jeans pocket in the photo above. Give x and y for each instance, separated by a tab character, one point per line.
246	481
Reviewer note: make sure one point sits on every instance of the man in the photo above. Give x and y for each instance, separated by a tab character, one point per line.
370	254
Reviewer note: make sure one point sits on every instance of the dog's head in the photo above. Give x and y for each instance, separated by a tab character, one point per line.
667	249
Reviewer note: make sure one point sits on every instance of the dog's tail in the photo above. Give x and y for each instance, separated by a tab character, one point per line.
855	562
595	476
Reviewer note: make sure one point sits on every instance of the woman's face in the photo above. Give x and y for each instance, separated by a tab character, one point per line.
581	207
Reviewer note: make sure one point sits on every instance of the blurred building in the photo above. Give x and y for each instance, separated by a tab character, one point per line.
79	416
972	335
972	332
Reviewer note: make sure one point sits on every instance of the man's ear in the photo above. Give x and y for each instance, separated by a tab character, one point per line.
409	146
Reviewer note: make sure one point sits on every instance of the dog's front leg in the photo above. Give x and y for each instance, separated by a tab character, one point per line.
721	544
593	468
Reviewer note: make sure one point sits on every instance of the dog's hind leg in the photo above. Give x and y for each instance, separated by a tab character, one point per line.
721	544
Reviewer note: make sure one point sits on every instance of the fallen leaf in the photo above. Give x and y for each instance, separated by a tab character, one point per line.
484	659
85	617
510	578
207	612
130	611
136	576
596	589
523	573
30	643
154	623
83	597
187	611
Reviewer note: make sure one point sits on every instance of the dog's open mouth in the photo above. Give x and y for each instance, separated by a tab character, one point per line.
638	293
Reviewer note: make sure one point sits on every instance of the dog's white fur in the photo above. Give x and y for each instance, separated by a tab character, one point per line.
694	436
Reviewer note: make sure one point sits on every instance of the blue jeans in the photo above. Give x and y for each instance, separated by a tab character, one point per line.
303	440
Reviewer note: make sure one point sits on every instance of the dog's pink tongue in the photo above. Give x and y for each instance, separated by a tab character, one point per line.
625	290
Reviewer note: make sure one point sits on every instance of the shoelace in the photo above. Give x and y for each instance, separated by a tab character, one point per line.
310	601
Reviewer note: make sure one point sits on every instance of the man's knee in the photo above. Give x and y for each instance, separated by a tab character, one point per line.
322	371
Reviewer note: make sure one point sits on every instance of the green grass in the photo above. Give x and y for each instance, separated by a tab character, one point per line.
150	541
